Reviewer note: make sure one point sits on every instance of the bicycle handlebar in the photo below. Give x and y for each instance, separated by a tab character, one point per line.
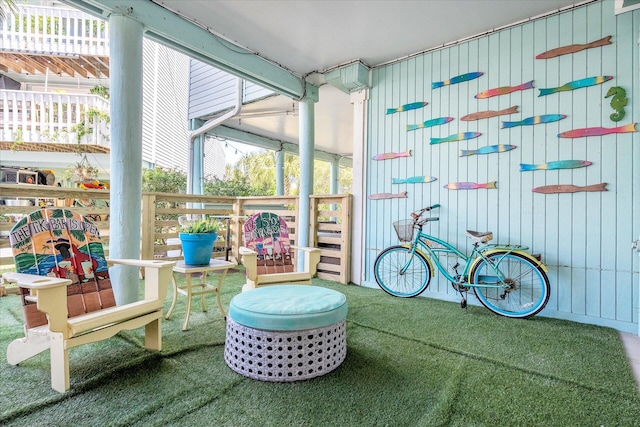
417	214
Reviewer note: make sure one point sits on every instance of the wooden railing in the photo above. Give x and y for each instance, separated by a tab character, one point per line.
329	229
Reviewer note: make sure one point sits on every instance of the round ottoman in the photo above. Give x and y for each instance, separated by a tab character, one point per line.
286	332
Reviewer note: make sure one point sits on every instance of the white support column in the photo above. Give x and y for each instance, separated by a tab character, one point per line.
125	54
280	172
359	101
306	126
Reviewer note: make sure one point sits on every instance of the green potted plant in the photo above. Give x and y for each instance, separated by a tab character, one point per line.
198	238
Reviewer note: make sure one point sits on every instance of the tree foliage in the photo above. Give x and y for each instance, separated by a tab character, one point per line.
164	180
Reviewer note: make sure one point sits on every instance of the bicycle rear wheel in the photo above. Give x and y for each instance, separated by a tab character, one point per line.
387	270
527	285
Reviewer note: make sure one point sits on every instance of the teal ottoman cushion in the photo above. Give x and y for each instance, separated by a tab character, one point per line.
288	307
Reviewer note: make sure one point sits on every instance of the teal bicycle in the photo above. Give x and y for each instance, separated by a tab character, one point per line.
506	279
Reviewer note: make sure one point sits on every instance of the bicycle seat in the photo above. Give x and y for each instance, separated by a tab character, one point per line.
480	237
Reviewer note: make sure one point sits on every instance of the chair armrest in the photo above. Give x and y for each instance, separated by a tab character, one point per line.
51	297
311	258
249	258
157	275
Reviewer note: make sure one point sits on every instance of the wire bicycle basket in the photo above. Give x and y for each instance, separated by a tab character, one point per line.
404	229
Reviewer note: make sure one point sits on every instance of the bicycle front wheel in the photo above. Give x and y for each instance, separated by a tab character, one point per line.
523	292
401	273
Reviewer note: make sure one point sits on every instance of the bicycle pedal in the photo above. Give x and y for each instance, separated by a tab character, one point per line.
463	303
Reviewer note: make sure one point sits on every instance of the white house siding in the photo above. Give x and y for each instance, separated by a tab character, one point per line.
166	92
584	238
212	90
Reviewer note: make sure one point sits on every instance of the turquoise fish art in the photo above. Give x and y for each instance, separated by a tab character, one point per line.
387	156
545	118
413	180
406	107
429	123
504	90
559	164
500	148
576	84
456	137
618	102
470	185
457	79
597	131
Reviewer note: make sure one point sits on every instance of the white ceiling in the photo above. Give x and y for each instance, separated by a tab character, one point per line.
311	36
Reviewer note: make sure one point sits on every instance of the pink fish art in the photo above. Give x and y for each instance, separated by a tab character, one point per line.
380	196
567	188
387	156
597	131
488	114
504	90
469	185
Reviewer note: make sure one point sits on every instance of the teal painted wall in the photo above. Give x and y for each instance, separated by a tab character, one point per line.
584	238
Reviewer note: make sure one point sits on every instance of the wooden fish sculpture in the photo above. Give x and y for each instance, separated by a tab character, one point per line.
470	185
457	79
564	50
559	164
545	118
500	148
576	84
456	137
429	123
387	156
618	102
413	180
567	188
597	131
488	114
406	107
504	90
381	196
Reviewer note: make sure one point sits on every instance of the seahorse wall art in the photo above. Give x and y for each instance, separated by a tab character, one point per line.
618	102
564	50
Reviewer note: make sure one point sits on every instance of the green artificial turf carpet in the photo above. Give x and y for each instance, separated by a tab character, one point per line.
410	362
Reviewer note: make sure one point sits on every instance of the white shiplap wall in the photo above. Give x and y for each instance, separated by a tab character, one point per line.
584	238
164	119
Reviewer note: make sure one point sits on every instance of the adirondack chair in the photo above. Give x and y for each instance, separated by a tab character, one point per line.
66	291
268	255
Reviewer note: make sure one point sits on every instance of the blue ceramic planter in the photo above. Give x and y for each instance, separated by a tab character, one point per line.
197	248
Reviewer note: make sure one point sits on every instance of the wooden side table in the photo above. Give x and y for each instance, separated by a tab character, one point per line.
201	288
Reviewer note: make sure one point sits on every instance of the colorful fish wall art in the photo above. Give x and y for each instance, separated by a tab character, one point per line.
501	148
429	123
381	196
406	107
470	185
457	79
456	137
618	102
597	131
488	114
568	188
564	50
413	180
504	90
545	118
559	164
576	84
387	156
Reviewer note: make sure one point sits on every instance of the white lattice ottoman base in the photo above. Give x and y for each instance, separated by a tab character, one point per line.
286	332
